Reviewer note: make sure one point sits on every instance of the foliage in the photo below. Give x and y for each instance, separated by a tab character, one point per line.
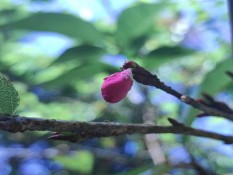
9	97
190	54
81	161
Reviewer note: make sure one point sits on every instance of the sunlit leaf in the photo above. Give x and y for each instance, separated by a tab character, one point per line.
137	20
216	80
60	23
9	98
82	161
83	72
138	170
158	169
81	53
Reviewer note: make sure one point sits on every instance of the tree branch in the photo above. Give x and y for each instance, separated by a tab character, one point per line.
88	130
75	131
143	76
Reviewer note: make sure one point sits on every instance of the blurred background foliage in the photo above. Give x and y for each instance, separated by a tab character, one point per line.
58	52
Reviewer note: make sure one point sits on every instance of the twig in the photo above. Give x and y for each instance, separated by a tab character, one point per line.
143	76
208	110
88	130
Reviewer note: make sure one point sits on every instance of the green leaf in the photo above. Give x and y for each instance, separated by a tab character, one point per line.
137	20
84	71
158	169
216	80
60	23
82	161
81	53
165	54
9	98
138	170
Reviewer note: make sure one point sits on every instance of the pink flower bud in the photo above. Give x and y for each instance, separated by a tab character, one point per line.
116	86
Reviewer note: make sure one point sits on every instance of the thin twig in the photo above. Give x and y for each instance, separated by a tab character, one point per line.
208	110
88	130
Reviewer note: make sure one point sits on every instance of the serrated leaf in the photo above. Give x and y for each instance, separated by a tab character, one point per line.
80	53
137	20
66	24
9	98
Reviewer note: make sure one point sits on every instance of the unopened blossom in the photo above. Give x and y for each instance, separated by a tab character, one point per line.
116	86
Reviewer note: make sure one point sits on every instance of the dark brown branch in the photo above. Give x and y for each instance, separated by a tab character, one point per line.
143	76
87	130
206	109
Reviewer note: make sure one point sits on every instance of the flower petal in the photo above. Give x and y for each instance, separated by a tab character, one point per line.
116	86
